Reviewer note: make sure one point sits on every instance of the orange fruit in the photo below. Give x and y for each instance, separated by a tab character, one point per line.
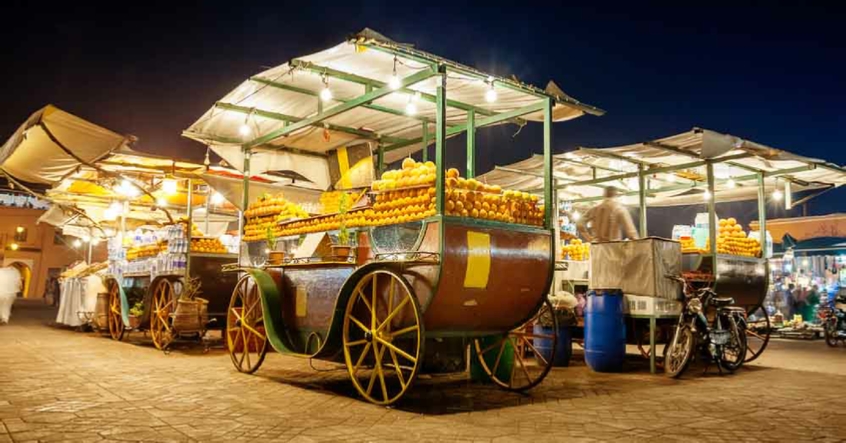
474	213
408	163
464	213
483	213
450	205
452	173
477	205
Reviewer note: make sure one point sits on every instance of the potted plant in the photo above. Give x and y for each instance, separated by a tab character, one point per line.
274	257
342	248
135	315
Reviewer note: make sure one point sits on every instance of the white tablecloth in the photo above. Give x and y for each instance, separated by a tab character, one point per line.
78	298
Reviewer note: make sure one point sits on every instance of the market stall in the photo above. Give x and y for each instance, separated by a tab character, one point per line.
698	167
393	276
78	288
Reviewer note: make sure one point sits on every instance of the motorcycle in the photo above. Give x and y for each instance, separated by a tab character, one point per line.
834	321
722	341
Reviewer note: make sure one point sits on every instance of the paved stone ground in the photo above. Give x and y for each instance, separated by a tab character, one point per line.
60	385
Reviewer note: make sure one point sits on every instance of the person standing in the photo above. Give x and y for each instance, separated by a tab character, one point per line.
609	220
10	286
809	313
789	301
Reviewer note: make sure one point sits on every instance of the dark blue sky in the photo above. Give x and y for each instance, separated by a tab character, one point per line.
772	74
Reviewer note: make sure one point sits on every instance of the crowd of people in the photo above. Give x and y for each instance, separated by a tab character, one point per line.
805	299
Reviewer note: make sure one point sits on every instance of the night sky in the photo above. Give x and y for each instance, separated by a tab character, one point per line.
775	75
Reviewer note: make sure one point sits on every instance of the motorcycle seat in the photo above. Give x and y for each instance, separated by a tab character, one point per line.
723	301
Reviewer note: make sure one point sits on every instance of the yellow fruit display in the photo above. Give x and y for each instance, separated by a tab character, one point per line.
207	246
330	201
470	197
268	212
732	240
146	251
576	250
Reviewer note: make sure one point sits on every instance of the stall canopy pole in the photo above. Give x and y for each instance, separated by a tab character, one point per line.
245	199
380	160
208	208
425	141
547	162
471	143
440	137
762	214
712	209
641	186
190	223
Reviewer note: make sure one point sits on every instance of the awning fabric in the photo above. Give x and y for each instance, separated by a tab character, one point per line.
736	180
291	91
52	143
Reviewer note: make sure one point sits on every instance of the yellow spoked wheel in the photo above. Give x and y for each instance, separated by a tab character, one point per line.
114	317
383	337
246	337
513	360
161	324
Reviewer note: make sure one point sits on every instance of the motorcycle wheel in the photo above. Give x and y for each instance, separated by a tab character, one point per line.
734	354
678	356
831	332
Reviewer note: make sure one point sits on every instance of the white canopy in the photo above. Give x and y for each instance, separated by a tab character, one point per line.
581	175
52	143
355	71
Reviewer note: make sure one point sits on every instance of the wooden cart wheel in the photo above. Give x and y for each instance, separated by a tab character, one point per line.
757	341
246	337
529	367
383	337
114	317
161	324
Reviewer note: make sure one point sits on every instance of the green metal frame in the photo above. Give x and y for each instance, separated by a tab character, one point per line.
471	144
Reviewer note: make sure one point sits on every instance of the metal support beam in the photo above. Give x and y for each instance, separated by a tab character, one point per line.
425	141
762	213
293	119
341	108
471	144
440	139
380	160
245	201
712	209
190	215
547	163
641	189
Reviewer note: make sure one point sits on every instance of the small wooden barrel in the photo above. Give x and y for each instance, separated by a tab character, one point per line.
101	311
191	315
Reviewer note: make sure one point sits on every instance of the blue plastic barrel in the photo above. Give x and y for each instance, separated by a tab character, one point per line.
605	331
563	349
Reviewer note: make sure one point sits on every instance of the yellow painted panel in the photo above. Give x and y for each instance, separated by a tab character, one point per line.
302	301
478	260
344	166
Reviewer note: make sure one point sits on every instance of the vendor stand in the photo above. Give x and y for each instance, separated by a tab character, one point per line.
434	265
695	167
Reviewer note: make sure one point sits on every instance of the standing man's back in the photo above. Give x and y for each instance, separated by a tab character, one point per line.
609	220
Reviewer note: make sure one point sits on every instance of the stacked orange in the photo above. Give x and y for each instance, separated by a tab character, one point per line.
266	213
576	250
352	219
139	252
207	246
472	198
412	174
733	240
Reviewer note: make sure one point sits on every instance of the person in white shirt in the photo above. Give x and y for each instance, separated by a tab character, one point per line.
10	285
609	220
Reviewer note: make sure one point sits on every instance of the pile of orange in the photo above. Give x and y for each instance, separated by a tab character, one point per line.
576	250
139	252
731	239
412	174
688	246
330	201
323	223
401	206
207	246
267	212
472	198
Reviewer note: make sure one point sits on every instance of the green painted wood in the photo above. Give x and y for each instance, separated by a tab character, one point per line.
641	189
762	213
425	141
471	144
341	108
271	304
547	166
712	208
440	139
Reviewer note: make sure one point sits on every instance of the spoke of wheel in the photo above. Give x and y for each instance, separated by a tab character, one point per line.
531	335
256	333
246	349
485	351
250	298
356	343
359	324
373	311
243	353
754	334
233	329
520	360
237	315
393	313
397	368
390	303
361	358
498	357
535	351
396	349
402	331
382	374
373	372
363	298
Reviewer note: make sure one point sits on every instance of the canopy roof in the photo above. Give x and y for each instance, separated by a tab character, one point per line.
582	174
283	110
52	143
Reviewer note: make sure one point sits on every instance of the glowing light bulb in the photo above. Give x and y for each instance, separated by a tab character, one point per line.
671	178
576	216
731	184
116	207
394	82
169	186
217	198
161	202
77	243
778	195
706	195
14	246
416	97
127	189
19	229
86	239
411	108
326	94
244	129
490	95
95	241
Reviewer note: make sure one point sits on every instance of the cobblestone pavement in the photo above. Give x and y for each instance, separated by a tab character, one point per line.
61	385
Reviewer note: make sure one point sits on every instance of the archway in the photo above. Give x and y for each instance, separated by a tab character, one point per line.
26	277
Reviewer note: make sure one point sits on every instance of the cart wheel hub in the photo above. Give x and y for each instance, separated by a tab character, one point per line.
368	336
